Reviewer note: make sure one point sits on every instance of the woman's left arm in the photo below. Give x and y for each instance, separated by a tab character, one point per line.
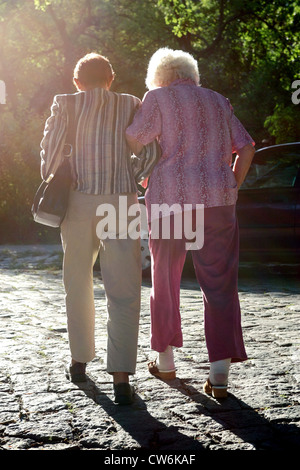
54	137
242	163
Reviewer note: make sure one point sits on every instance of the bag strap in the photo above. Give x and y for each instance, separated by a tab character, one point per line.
70	137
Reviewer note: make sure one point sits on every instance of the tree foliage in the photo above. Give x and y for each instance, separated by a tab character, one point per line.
248	51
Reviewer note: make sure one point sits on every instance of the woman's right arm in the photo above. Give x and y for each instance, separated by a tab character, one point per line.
142	136
146	125
135	146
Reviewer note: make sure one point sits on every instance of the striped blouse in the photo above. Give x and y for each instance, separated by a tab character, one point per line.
101	159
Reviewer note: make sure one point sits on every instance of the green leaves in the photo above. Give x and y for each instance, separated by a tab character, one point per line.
42	4
247	50
185	16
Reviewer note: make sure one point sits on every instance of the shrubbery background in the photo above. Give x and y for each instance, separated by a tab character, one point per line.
247	50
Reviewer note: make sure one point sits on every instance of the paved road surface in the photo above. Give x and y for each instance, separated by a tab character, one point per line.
41	410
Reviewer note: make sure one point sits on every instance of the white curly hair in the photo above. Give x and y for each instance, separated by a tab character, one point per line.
167	65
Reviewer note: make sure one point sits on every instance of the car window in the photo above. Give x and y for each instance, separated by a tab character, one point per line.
273	171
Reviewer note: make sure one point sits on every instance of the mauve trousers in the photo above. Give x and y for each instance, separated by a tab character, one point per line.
216	268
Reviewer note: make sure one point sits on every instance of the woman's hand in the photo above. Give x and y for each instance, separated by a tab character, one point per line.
135	146
242	163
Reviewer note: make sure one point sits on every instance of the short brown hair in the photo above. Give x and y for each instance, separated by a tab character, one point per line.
93	69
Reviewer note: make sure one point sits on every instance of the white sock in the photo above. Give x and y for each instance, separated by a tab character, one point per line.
165	360
219	371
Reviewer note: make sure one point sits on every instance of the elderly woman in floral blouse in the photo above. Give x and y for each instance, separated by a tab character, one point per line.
198	133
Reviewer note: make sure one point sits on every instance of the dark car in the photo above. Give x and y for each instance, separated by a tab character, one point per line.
268	208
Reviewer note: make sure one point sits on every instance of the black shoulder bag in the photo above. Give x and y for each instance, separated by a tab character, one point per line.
51	199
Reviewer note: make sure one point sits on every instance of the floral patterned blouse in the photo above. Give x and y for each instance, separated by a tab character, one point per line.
198	133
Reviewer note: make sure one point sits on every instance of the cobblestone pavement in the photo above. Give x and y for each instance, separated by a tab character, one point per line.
41	410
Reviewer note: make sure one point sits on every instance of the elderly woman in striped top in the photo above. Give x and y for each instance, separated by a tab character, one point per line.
198	133
102	176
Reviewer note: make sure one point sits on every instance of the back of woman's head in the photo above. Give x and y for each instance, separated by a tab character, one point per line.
93	70
167	65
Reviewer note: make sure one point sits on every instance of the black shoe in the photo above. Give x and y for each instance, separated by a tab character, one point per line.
123	393
76	372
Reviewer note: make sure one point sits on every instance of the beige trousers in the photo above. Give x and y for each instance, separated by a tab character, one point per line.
120	261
